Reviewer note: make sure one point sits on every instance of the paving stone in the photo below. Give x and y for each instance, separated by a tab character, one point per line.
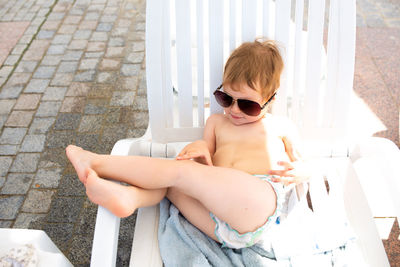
92	16
56	16
51	25
65	209
130	69
104	27
19	79
85	76
130	83
108	18
109	64
17	184
38	201
99	36
41	125
78	89
25	162
120	31
114	51
90	123
97	55
72	55
82	34
87	220
6	105
60	139
12	136
71	186
59	233
33	143
96	46
5	71
141	119
9	207
19	118
54	93
18	49
105	77
89	25
5	163
122	98
26	66
45	34
88	64
67	121
5	224
79	251
135	57
78	45
72	19
101	91
116	41
57	49
27	102
48	109
44	72
73	104
96	106
27	220
37	86
11	91
67	29
51	60
7	150
47	178
62	79
11	60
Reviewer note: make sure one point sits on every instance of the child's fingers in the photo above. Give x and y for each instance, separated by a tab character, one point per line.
285	164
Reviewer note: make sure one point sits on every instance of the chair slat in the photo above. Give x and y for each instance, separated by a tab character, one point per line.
155	51
232	24
215	50
200	62
347	28
184	63
167	77
318	194
249	20
267	19
282	31
298	72
316	11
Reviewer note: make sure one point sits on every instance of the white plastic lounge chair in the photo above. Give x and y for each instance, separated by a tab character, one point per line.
187	43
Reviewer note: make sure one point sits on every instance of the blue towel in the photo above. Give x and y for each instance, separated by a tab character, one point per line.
182	244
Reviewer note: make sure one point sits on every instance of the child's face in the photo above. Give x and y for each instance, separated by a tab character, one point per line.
235	115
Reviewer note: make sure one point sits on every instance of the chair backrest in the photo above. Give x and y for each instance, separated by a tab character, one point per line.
188	41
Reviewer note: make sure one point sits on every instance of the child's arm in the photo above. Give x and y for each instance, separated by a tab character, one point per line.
201	150
297	170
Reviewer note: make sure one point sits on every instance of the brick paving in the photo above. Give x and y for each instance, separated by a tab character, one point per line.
72	71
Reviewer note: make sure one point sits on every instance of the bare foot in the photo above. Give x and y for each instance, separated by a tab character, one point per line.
121	200
80	159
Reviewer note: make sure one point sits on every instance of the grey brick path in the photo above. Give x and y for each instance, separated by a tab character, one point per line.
73	77
76	75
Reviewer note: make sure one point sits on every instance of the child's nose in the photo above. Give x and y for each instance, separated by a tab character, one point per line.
235	108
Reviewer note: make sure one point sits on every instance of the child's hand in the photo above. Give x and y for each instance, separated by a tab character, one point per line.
196	151
293	173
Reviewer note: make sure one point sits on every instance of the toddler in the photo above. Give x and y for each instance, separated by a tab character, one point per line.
227	184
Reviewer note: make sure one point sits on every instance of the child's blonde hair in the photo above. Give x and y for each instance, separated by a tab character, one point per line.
258	64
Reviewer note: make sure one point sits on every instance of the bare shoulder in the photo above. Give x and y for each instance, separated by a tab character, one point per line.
215	119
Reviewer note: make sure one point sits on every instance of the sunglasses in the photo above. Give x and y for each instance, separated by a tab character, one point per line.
248	107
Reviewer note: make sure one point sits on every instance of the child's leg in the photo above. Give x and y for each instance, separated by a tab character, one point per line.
242	200
121	200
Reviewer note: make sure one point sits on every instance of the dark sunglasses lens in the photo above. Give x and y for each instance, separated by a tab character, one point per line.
250	108
223	99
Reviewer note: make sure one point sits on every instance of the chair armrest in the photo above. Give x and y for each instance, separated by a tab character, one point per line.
376	160
105	241
145	249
